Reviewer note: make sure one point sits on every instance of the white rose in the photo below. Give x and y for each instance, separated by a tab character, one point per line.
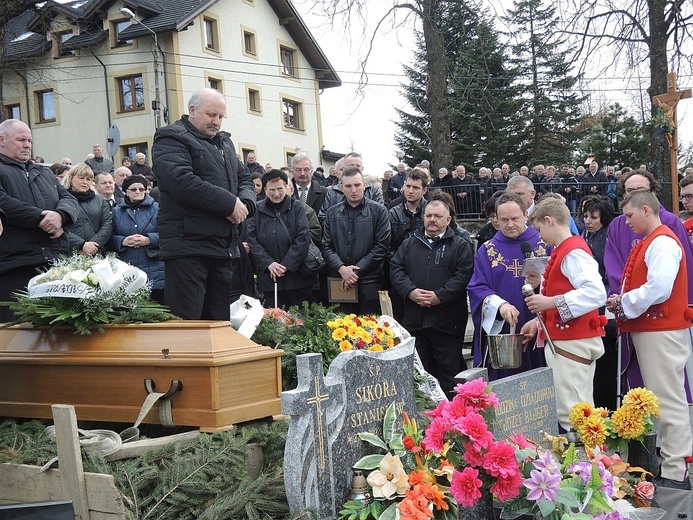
76	276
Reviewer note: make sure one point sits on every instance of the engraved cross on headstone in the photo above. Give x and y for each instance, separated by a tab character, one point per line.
311	482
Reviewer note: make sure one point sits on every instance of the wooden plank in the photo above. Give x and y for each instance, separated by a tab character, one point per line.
103	496
70	459
137	448
21	483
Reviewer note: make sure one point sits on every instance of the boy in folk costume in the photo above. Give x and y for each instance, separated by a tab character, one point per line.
653	307
571	294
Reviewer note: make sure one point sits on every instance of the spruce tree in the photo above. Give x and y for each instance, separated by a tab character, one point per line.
617	138
552	107
481	98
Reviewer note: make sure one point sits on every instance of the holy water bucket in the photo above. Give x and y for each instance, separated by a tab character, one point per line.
506	350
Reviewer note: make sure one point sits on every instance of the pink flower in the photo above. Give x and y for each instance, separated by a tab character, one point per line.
500	461
471	456
435	435
465	486
507	488
474	427
475	396
438	412
457	408
645	489
519	439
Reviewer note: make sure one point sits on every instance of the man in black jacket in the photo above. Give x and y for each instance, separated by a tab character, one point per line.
206	193
37	211
355	240
431	270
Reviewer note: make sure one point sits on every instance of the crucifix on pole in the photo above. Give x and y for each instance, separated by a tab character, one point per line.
667	103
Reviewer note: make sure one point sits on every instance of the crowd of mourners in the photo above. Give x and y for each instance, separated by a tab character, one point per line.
208	226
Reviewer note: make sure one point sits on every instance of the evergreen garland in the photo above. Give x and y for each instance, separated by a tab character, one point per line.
206	479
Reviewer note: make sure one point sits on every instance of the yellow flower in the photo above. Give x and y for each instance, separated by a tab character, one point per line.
345	345
376	348
339	322
642	402
602	412
390	479
390	342
626	424
354	331
378	334
338	334
367	339
332	324
579	413
592	431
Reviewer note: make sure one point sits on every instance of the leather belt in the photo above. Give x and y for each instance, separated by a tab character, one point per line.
572	356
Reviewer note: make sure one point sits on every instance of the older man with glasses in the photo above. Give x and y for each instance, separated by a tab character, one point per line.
307	190
686	198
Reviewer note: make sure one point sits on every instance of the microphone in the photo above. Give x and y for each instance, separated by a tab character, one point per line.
527	290
526	248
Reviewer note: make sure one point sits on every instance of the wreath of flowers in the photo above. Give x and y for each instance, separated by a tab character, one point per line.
362	333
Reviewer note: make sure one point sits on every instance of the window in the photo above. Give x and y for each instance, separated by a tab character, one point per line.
214	83
46	106
131	93
254	100
211	34
62	37
13	111
131	150
287	57
117	27
246	151
293	118
249	43
290	157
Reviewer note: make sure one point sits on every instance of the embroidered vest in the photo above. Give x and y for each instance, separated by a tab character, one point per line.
672	314
588	325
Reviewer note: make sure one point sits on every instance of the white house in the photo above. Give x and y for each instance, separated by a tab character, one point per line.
75	68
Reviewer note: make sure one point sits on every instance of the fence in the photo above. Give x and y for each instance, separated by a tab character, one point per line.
471	198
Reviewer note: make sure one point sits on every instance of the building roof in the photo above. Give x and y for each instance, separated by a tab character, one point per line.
25	34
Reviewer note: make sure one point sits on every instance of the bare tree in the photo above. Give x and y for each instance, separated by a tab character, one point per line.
657	34
9	9
427	12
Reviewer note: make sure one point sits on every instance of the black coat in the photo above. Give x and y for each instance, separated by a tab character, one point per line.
269	242
200	179
368	245
22	199
316	195
446	268
94	222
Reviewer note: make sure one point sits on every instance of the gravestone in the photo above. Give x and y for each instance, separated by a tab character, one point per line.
327	414
526	402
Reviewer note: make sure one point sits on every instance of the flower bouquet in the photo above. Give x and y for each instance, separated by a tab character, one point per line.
86	292
631	421
362	332
407	482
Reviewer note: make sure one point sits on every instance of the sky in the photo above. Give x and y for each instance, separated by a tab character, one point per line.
366	123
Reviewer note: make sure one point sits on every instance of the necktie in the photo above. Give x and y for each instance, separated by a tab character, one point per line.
302	194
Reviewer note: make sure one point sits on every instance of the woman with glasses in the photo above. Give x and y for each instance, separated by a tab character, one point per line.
91	231
136	233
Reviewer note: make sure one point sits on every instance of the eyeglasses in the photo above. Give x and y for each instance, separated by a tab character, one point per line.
303	170
686	197
137	189
631	190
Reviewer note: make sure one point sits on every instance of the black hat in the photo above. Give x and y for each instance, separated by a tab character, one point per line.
274	174
134	179
320	169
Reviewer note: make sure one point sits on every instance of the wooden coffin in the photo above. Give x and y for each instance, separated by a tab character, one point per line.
226	377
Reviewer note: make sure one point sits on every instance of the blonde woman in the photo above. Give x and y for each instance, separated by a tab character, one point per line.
91	231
